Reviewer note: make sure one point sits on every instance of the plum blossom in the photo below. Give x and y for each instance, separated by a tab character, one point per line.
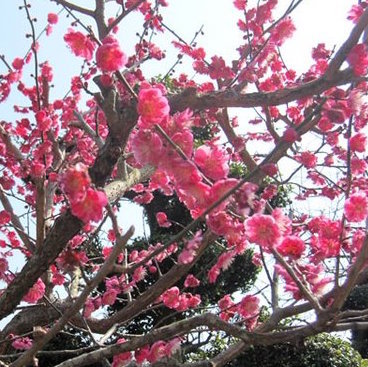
18	63
153	106
75	182
80	44
358	142
171	298
4	217
147	147
24	343
283	30
248	307
212	161
162	221
358	59
291	246
35	293
356	207
262	230
191	281
109	57
90	208
308	159
52	18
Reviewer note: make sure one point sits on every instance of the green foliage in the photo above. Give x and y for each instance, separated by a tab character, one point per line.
320	351
358	300
281	200
70	339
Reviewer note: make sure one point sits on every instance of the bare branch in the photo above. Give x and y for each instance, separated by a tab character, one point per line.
72	6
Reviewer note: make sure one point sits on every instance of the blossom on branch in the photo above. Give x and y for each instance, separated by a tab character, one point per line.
109	57
80	44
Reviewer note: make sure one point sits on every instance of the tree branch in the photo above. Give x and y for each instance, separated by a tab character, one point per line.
230	98
72	6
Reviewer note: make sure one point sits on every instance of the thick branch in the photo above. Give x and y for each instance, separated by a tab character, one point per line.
184	327
230	98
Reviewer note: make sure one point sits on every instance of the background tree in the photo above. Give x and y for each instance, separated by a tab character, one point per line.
70	159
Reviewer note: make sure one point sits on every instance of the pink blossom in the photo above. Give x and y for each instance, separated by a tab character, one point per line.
356	207
173	346
263	230
4	217
290	135
212	161
52	18
147	147
186	256
355	13
142	354
358	142
191	281
248	307
291	246
36	292
324	248
24	343
18	63
213	274
270	169
75	181
308	159
171	298
225	302
192	301
153	107
358	166
157	351
240	4
221	188
109	56
109	297
90	208
80	44
226	259
218	69
144	198
227	307
358	59
283	30
139	274
162	221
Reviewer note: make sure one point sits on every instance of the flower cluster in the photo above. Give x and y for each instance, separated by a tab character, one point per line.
86	203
